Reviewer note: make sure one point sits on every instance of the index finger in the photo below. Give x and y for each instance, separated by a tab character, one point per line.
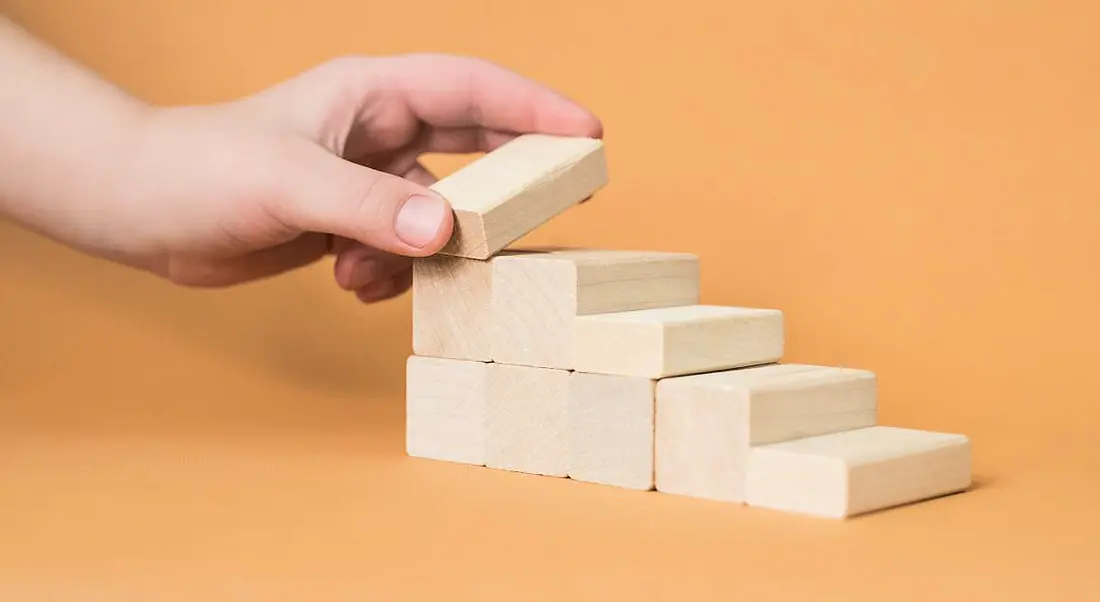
455	92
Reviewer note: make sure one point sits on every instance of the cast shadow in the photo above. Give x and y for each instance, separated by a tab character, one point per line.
298	327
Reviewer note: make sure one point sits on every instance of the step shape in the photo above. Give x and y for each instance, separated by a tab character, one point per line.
445	409
537	294
673	341
526	418
706	424
847	474
505	194
611	422
452	308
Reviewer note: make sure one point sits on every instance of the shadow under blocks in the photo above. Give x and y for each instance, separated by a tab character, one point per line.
602	366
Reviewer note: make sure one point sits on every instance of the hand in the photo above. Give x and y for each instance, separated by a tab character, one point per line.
324	163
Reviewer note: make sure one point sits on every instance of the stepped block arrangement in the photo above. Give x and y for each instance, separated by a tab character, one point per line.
603	366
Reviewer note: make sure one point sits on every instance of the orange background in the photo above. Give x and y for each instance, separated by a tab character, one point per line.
914	184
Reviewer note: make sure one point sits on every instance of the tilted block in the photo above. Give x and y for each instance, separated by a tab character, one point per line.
445	409
611	430
671	341
707	423
504	195
452	307
537	295
846	474
527	420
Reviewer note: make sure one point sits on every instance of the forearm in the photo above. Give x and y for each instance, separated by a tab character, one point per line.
65	137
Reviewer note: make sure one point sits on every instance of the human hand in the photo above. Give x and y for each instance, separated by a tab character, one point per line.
324	163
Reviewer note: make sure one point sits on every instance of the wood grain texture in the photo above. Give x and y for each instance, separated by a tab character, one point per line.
445	409
537	294
527	420
707	423
611	421
452	303
671	341
846	474
504	195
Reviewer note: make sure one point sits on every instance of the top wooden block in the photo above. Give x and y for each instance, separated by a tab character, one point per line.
517	187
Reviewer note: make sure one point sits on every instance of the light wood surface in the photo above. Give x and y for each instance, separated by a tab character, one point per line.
847	474
707	423
445	409
504	195
913	184
452	303
527	424
538	294
611	428
672	341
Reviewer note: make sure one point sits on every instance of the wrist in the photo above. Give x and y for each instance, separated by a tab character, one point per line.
66	181
64	133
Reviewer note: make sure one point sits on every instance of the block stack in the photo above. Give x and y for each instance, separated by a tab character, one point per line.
603	366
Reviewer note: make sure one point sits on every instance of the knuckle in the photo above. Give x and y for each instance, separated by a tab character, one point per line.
347	63
376	201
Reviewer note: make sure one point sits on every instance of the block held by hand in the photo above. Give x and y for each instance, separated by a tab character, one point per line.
504	195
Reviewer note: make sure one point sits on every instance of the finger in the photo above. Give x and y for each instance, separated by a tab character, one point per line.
463	140
385	289
318	192
206	273
359	266
337	244
454	92
402	281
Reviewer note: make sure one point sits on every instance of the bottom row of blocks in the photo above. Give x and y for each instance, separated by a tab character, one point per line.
792	437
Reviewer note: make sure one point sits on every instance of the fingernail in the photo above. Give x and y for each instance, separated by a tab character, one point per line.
419	219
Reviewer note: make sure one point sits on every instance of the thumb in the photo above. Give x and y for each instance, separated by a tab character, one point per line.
324	193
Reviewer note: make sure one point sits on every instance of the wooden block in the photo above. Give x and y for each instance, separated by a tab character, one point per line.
611	430
536	296
706	423
452	303
445	409
527	420
671	341
846	474
507	193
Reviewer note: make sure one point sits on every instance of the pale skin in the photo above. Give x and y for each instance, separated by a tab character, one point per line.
326	163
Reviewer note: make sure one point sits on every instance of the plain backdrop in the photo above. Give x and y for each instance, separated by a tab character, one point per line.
914	184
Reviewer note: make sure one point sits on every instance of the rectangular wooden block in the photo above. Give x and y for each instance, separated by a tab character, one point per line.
445	409
611	421
671	341
846	474
452	308
507	193
707	423
536	296
527	420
